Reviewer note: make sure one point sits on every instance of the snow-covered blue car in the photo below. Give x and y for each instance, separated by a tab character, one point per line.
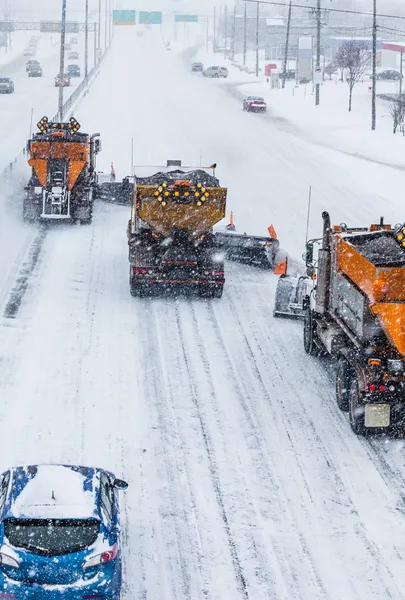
59	533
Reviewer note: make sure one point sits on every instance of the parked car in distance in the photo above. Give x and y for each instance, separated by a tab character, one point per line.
73	56
197	66
389	75
289	74
6	85
63	81
73	70
215	71
31	63
29	52
60	533
73	40
35	71
254	104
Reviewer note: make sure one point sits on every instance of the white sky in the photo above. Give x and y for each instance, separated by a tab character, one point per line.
43	9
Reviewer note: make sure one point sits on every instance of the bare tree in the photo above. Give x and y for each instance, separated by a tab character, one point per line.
353	57
396	109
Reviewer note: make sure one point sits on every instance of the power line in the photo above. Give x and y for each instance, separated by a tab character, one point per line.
337	10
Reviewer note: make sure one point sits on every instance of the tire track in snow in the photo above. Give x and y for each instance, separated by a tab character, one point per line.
246	402
260	357
25	271
176	516
257	564
209	447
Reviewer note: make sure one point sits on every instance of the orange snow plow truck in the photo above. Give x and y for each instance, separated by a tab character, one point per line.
352	301
63	178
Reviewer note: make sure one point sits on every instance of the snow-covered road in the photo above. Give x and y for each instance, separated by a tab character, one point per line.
246	482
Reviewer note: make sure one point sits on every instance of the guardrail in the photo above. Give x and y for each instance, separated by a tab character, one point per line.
80	92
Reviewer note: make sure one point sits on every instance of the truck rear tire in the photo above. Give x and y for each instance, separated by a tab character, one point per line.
356	411
217	292
310	336
344	376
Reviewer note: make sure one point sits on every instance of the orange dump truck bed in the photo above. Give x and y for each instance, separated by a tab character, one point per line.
375	263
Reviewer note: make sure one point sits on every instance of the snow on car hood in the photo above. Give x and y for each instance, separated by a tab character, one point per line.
54	492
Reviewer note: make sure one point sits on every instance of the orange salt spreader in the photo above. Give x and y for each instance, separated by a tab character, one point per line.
63	177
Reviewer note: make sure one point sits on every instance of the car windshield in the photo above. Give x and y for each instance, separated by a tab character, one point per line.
4	80
51	537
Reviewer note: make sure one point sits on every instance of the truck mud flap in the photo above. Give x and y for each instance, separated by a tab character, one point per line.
288	301
248	249
114	192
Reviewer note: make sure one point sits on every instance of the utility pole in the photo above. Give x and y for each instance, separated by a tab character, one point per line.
287	41
99	29
233	32
207	34
109	22
62	59
374	83
401	72
226	30
105	25
318	48
95	43
257	38
86	42
245	35
214	37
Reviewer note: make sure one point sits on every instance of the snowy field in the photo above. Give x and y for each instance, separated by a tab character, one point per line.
246	482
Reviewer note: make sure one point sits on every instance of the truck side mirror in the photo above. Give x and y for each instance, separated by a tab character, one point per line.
309	254
120	484
310	271
97	146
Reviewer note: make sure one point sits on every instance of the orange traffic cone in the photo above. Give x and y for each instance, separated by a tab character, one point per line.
231	226
272	232
281	268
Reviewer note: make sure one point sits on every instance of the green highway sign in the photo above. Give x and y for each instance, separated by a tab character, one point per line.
150	18
124	17
186	19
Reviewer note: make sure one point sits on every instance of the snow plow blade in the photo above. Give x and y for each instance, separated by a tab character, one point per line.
248	249
116	192
289	296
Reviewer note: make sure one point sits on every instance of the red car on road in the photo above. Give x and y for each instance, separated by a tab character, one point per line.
254	104
62	81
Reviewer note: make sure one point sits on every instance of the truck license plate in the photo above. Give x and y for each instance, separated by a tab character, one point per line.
377	415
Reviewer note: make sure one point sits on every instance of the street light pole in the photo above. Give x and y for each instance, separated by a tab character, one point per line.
62	59
86	42
105	25
226	30
99	29
318	48
233	32
214	37
95	43
257	39
245	35
374	83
